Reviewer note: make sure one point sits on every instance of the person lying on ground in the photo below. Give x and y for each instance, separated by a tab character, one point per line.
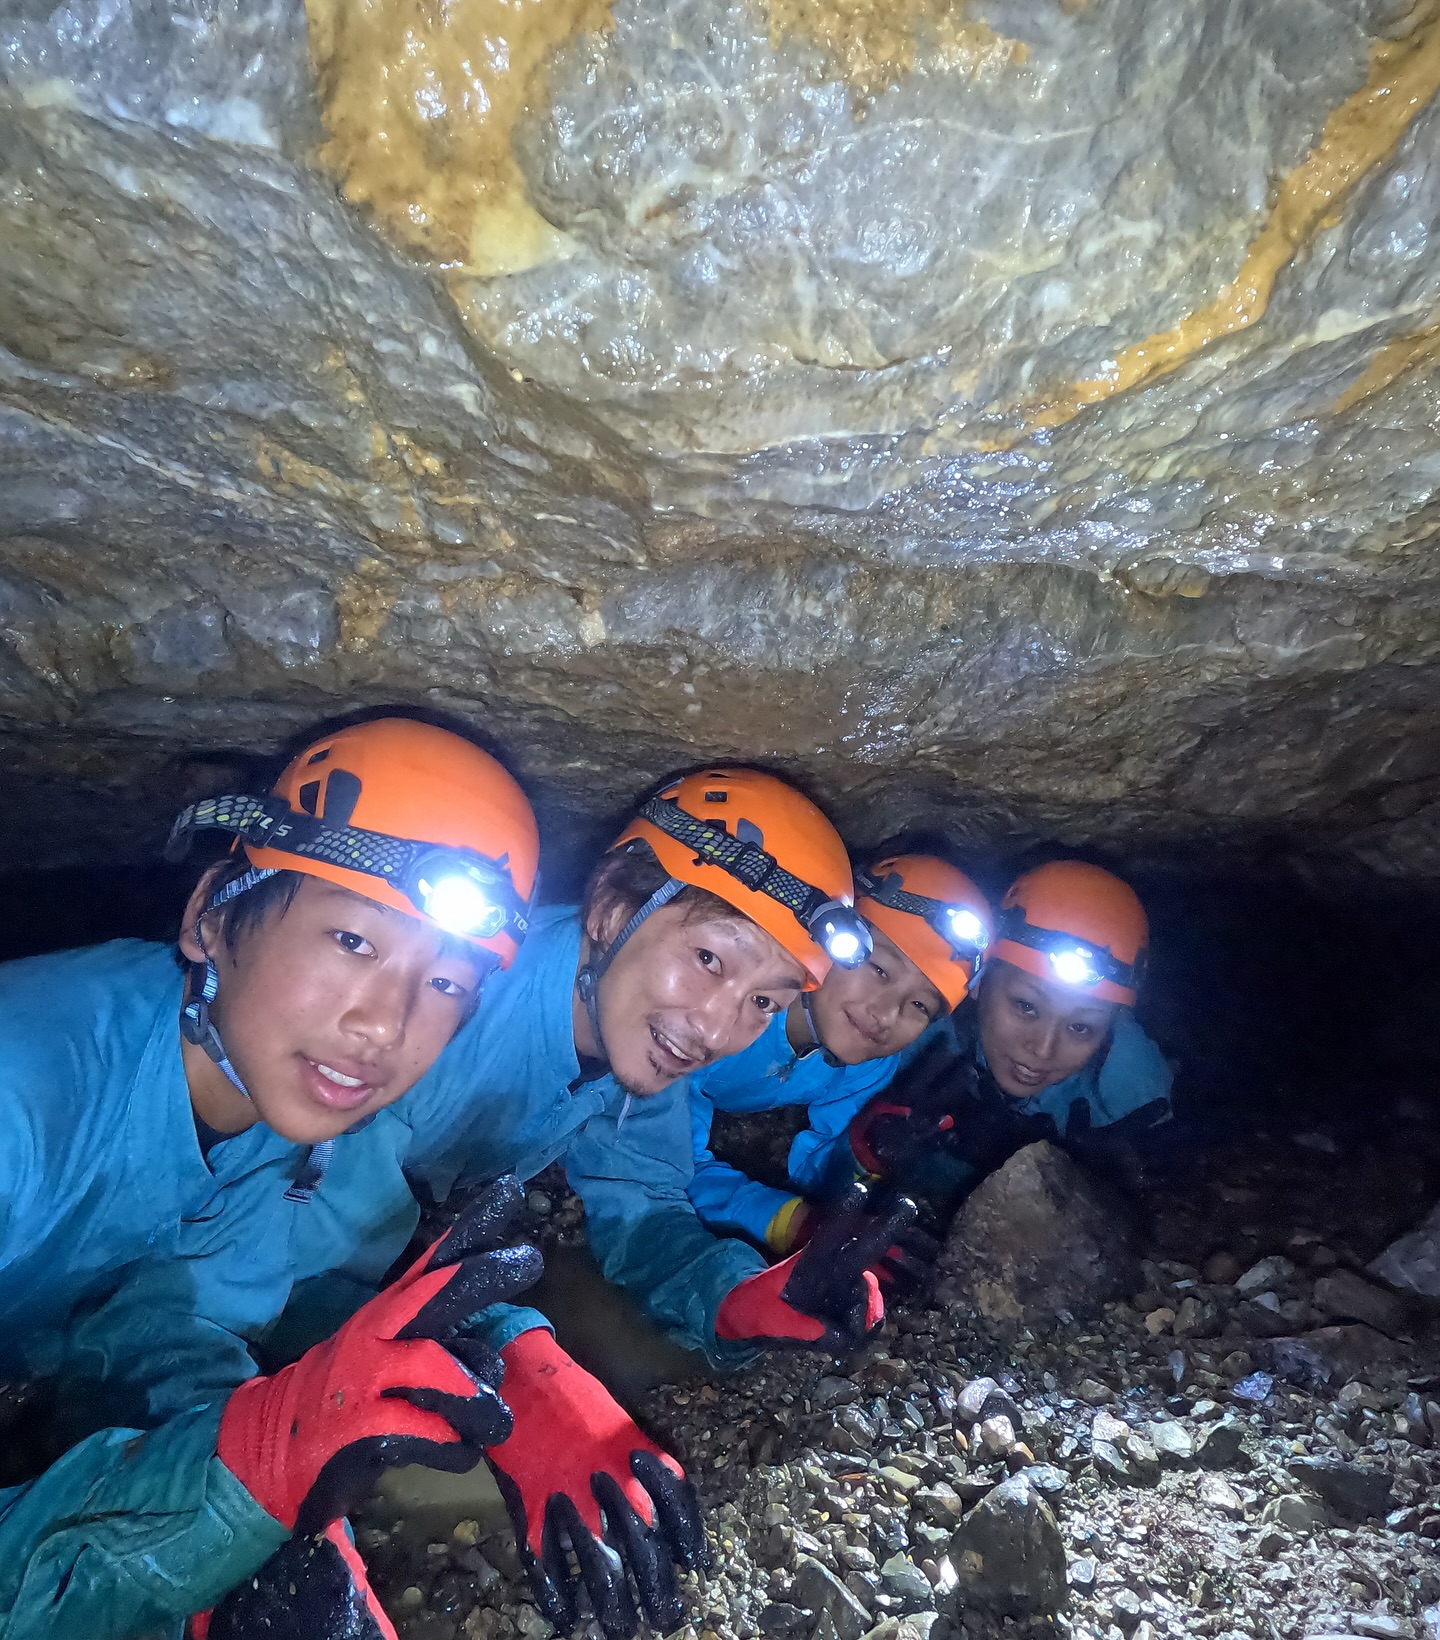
1049	1048
835	1049
245	1099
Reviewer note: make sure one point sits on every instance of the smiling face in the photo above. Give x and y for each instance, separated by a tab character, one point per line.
694	983
329	1009
1036	1032
876	1009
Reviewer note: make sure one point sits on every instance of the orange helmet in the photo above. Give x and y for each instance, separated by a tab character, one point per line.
933	912
404	813
758	844
1073	922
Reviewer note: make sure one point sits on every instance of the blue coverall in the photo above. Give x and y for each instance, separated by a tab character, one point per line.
141	1275
1129	1075
767	1075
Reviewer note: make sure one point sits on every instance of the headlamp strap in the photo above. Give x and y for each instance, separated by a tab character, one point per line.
587	981
270	822
757	869
195	1023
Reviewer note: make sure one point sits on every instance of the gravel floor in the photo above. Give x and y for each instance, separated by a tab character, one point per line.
1159	1434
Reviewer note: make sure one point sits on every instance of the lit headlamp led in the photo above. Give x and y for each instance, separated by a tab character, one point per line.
840	932
962	929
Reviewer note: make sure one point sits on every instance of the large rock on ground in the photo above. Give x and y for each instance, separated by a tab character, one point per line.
1008	1554
1036	1238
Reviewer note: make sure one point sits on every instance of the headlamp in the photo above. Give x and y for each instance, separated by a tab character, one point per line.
1073	961
1073	967
962	929
461	891
463	896
840	932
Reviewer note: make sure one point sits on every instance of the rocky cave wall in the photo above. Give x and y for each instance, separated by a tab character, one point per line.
1021	418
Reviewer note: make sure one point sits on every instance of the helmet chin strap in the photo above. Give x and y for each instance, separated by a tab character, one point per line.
587	981
825	1054
195	1023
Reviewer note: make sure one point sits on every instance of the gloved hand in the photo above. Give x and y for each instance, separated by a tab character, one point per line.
311	1586
578	1475
908	1268
886	1136
826	1297
395	1385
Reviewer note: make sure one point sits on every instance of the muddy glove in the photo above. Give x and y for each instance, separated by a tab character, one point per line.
311	1586
395	1385
886	1137
579	1477
826	1297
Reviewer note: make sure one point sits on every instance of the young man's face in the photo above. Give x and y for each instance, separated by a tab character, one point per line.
328	1011
1036	1032
687	988
876	1009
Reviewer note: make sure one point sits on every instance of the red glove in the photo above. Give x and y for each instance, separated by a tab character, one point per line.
826	1296
313	1586
884	1135
309	1443
578	1470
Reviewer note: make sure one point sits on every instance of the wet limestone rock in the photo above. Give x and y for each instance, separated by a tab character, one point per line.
1035	1238
1019	419
1008	1554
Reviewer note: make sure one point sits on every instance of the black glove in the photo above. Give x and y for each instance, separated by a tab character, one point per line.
314	1587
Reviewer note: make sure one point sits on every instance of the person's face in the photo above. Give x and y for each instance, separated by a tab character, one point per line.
328	1010
1036	1032
876	1009
687	988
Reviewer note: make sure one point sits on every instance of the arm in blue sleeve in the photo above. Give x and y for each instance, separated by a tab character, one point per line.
820	1157
1135	1074
631	1171
724	1197
128	1534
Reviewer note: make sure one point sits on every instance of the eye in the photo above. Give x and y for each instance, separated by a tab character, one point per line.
1025	1009
450	988
923	1007
707	959
767	1005
356	944
879	970
1081	1030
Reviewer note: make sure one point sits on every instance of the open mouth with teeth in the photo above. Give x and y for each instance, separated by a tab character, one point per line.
668	1057
334	1088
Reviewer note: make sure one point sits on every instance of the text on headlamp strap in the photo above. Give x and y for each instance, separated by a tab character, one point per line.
751	864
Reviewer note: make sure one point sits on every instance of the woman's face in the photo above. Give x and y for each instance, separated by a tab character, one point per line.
876	1009
1036	1032
688	987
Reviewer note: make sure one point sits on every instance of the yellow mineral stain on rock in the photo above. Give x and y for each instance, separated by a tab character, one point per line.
1404	74
363	601
1394	360
421	99
874	43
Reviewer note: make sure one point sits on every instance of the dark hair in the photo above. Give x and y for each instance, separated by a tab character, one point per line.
245	913
633	873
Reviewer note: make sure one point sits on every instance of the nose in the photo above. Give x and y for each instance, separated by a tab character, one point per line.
718	1020
379	1009
1043	1041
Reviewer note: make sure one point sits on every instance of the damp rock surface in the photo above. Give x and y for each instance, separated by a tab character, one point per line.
1020	420
1037	1238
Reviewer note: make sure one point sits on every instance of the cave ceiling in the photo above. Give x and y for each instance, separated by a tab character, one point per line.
1021	418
